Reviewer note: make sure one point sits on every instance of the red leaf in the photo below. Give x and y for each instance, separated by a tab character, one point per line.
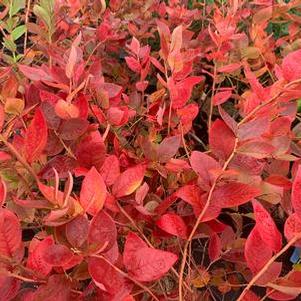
61	163
134	46
180	92
214	247
144	263
254	128
234	194
35	74
66	110
194	196
36	260
74	57
221	97
256	87
77	231
271	274
256	149
266	227
73	128
202	164
118	115
133	64
168	148
2	192
36	137
102	232
107	278
141	193
10	233
93	192
57	255
296	193
290	66
257	253
292	227
221	148
128	181
57	288
176	39
172	224
110	170
9	287
91	151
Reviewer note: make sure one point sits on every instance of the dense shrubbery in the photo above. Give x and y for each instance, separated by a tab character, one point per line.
150	150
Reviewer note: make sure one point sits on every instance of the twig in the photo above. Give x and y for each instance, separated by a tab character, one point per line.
26	21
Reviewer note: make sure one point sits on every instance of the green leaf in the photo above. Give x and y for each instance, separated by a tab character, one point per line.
10	45
15	6
18	32
43	14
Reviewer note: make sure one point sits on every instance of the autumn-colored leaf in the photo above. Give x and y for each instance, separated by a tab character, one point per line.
202	164
108	279
168	148
221	97
77	231
144	263
292	227
36	260
193	195
180	92
93	192
234	194
10	233
221	148
72	128
257	253
9	287
110	170
172	224
102	233
57	255
36	137
296	193
266	227
214	247
91	151
35	73
57	288
128	181
290	68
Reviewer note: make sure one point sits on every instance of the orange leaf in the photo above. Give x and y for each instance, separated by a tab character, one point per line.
93	192
36	137
129	181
